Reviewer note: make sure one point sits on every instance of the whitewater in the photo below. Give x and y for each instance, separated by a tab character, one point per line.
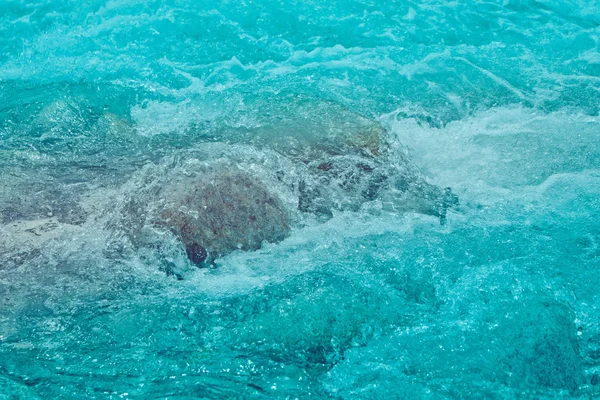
428	174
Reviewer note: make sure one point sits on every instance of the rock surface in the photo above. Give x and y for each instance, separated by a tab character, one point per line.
22	240
222	211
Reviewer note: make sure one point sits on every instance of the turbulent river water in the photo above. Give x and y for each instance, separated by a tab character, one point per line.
102	102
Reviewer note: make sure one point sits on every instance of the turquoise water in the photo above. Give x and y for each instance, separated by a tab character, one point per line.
102	102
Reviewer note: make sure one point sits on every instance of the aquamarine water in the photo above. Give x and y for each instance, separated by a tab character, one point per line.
499	100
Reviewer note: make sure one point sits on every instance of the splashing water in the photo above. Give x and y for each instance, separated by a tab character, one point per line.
107	108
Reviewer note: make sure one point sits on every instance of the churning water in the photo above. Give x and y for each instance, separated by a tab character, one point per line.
103	103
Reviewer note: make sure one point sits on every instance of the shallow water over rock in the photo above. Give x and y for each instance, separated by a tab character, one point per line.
345	122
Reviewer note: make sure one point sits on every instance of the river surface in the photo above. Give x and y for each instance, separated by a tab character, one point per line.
498	100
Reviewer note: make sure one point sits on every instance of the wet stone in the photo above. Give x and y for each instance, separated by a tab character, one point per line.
220	212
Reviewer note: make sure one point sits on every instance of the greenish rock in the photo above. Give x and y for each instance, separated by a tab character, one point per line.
544	350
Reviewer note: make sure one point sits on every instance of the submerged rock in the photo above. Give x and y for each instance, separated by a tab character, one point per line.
59	119
345	183
319	161
214	208
219	212
313	129
544	348
23	240
114	128
349	157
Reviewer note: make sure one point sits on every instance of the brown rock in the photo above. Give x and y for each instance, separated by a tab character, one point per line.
219	212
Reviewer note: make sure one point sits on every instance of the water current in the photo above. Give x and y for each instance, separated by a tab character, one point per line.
346	120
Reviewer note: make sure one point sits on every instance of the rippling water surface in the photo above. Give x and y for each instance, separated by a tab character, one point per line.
101	102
